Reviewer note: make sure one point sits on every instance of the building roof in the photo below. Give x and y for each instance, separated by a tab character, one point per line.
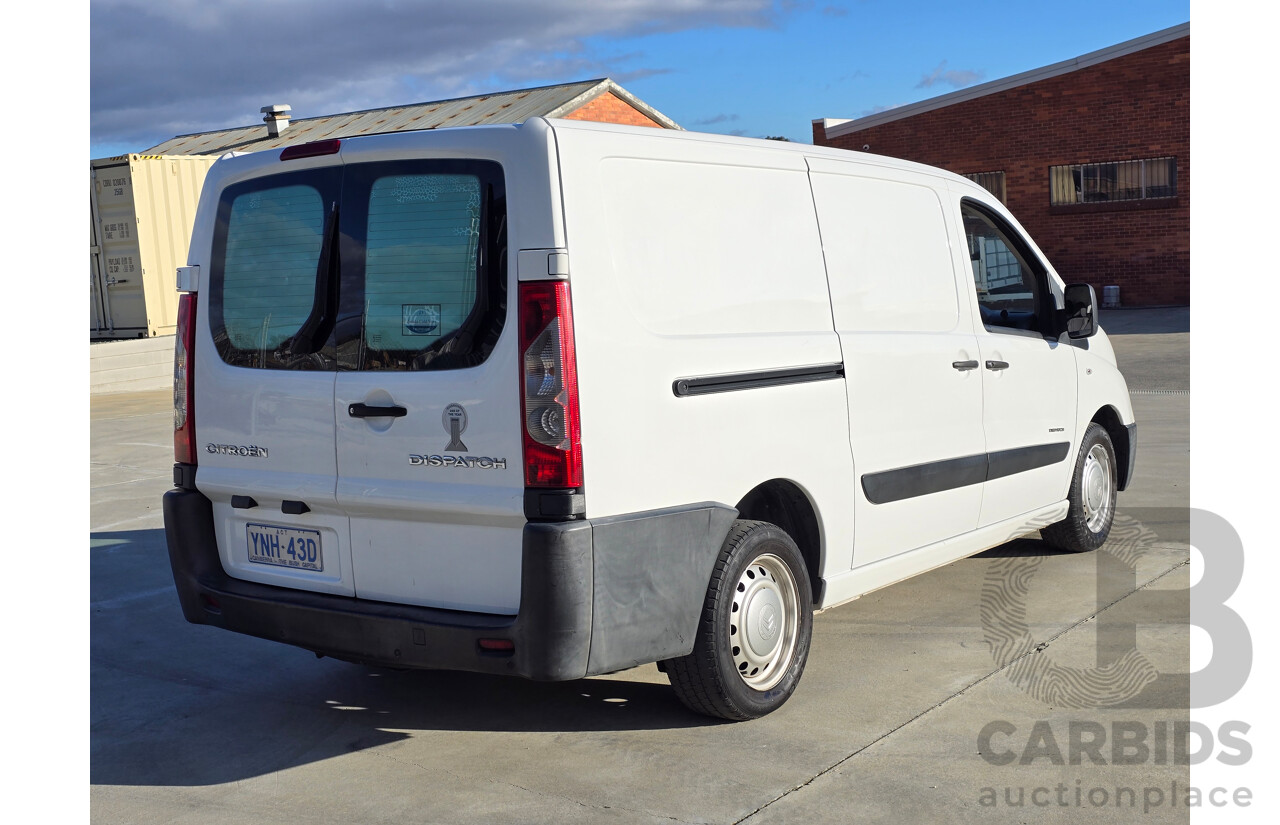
502	107
835	127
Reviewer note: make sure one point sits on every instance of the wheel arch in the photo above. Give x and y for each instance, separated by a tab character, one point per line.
1109	419
785	504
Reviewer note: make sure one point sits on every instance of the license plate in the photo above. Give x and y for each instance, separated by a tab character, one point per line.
285	547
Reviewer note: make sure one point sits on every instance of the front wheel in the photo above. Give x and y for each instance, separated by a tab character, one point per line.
757	622
1092	497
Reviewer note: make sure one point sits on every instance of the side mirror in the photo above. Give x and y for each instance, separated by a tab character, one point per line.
1079	313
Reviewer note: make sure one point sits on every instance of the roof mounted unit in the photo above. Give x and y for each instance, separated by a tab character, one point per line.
276	118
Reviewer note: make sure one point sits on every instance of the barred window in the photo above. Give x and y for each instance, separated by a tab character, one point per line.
1125	180
993	182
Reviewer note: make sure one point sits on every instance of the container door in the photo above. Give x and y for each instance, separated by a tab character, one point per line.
97	312
428	422
264	377
915	395
120	257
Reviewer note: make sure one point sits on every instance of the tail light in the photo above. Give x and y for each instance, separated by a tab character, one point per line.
184	395
552	429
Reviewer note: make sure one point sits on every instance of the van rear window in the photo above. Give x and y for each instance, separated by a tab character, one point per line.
269	271
420	261
397	265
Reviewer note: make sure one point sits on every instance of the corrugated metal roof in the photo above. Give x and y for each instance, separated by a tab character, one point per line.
502	107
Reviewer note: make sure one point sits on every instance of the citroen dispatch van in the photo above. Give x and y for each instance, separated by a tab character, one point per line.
558	399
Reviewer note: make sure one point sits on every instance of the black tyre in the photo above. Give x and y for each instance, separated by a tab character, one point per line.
757	621
1092	496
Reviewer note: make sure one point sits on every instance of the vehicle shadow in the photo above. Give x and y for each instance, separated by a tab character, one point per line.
1142	527
1025	547
178	704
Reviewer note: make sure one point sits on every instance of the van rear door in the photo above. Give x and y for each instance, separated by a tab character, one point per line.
264	378
427	405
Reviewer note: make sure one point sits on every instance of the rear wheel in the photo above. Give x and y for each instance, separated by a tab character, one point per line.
1092	497
757	622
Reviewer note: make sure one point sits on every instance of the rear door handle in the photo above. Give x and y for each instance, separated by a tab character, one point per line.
997	365
366	411
965	365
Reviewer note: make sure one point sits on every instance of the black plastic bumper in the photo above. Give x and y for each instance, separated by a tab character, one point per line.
596	596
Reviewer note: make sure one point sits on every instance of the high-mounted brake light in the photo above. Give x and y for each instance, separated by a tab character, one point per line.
310	150
184	391
549	401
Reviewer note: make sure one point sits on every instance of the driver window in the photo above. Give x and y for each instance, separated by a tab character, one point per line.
1008	288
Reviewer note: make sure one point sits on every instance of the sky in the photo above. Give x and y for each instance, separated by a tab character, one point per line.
745	67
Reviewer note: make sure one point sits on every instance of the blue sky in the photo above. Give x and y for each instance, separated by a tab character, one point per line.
847	59
750	67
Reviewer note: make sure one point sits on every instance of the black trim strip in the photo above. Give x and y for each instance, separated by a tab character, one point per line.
922	479
949	474
1021	459
728	382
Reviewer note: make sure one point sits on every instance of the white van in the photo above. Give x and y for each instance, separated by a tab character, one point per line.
558	399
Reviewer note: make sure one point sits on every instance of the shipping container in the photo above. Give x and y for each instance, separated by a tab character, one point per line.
141	209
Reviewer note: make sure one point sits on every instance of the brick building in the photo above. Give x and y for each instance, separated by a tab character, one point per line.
1092	155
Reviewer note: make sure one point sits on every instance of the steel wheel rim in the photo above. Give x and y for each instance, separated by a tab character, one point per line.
1098	490
764	621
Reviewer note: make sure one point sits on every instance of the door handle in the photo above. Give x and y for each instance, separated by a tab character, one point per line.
366	411
997	365
964	366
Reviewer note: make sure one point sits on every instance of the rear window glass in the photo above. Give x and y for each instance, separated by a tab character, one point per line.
269	269
420	261
396	265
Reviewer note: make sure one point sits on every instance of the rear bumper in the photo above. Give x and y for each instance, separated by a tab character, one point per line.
596	596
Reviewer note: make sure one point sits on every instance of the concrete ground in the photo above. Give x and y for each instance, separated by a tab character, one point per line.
1041	650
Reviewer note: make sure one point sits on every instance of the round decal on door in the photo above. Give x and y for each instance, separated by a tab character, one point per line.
455	424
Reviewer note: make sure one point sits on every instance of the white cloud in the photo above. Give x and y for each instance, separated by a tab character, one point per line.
875	110
165	68
714	119
955	78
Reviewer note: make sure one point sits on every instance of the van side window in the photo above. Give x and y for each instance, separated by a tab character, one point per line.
1010	285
